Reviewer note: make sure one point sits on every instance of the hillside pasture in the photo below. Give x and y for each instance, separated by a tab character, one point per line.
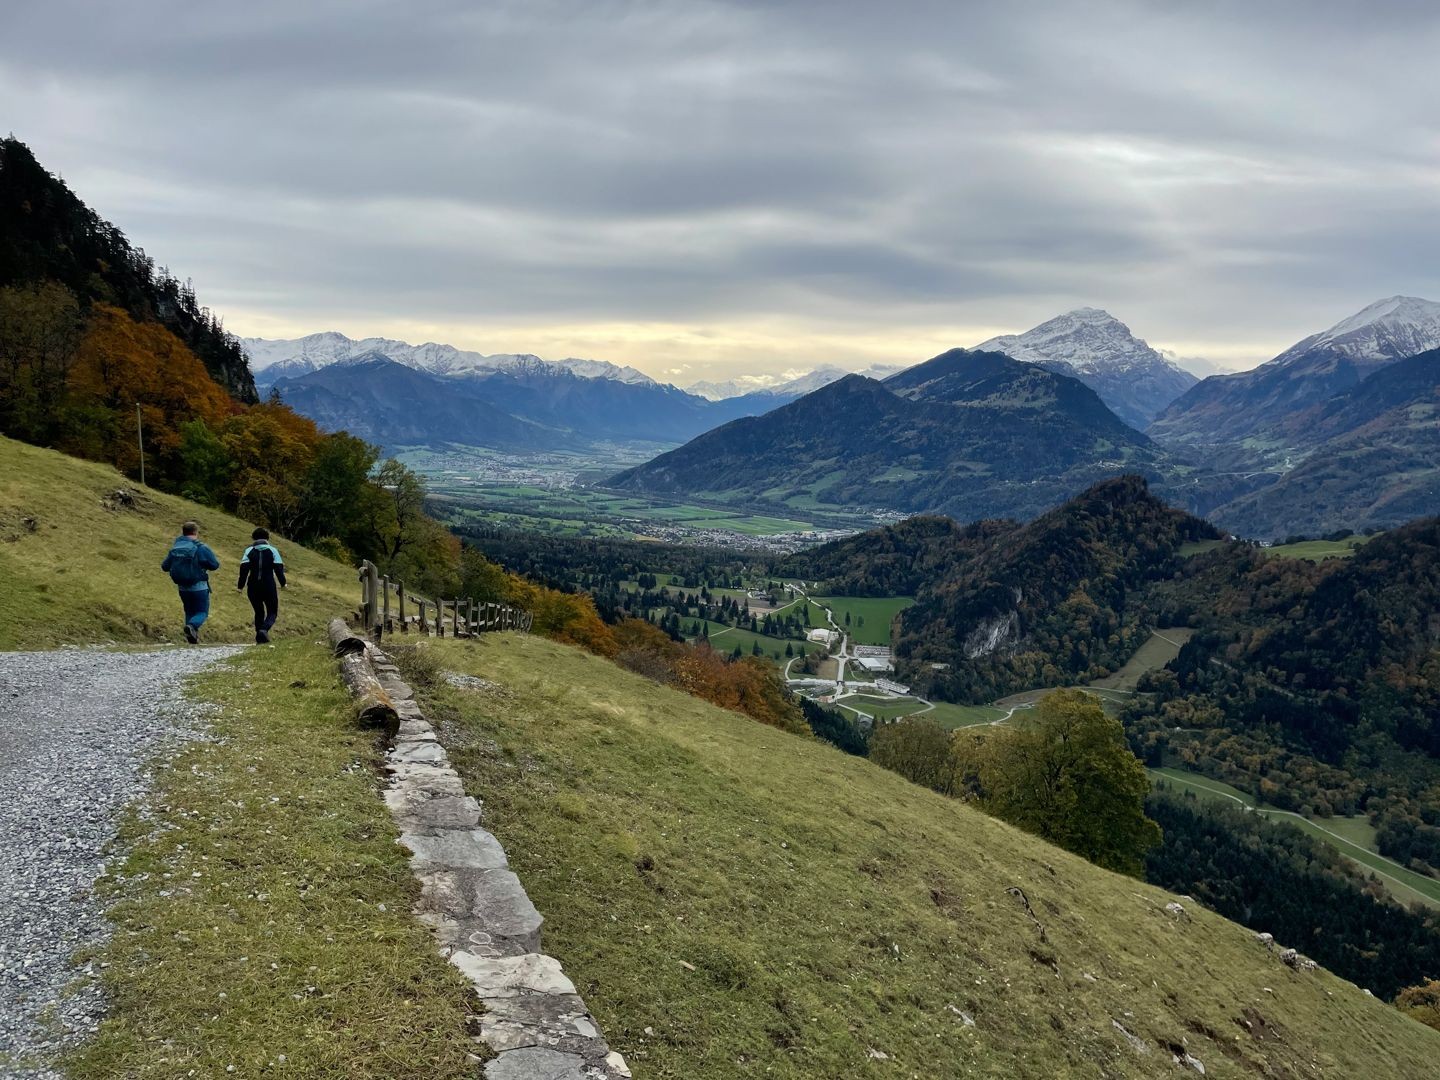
79	565
735	900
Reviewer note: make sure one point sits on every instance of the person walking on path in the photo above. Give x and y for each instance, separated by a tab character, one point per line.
188	564
260	568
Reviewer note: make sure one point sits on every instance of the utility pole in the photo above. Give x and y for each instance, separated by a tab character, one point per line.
140	437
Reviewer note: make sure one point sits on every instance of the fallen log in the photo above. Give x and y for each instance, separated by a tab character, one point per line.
343	641
373	706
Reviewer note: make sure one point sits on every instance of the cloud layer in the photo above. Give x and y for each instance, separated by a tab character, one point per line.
731	187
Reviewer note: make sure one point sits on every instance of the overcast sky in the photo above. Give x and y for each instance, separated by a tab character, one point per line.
711	189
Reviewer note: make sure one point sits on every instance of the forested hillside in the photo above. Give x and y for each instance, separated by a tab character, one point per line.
65	259
1314	686
968	434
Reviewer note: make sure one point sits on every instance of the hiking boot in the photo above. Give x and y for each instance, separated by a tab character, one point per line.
262	638
192	635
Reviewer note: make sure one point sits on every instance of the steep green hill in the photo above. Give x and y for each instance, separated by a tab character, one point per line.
736	901
79	565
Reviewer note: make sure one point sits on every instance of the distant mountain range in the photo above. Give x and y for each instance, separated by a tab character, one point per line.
788	389
272	359
970	434
1345	422
395	394
1230	408
1136	381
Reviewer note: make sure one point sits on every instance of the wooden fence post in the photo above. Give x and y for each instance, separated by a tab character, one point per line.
385	604
400	597
469	610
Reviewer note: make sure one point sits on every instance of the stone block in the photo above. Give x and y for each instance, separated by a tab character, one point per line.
494	899
417	810
509	976
456	849
412	753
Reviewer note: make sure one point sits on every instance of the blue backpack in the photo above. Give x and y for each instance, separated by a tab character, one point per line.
185	568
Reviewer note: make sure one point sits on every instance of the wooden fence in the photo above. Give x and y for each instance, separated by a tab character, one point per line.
461	617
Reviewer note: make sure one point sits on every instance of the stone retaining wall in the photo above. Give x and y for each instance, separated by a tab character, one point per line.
532	1019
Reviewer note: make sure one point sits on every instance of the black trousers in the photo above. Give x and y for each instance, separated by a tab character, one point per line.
265	599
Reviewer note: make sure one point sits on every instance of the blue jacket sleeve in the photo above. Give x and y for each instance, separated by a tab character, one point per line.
279	566
169	555
208	559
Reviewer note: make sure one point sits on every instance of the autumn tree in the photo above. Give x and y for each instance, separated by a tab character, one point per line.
1421	1003
1063	772
918	750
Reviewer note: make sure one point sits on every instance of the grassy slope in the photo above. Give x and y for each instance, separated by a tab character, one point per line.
736	901
1316	550
87	573
263	906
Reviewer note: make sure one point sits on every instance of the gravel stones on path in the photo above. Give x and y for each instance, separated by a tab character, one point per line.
77	729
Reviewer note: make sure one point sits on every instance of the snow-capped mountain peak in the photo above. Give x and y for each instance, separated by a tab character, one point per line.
297	356
1086	339
1386	330
1135	380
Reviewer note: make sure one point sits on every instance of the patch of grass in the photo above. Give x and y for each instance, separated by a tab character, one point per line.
1159	649
736	901
262	907
1198	547
1316	550
76	570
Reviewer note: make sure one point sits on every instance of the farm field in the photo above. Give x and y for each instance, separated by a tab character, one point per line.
875	611
1345	835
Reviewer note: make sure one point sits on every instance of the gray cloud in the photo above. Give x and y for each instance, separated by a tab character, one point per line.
1223	176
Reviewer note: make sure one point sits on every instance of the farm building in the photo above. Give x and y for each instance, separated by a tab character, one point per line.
891	686
822	636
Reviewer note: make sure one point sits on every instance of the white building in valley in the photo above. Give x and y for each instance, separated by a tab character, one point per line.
821	636
892	687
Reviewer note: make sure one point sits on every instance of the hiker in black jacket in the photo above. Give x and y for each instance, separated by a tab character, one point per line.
260	568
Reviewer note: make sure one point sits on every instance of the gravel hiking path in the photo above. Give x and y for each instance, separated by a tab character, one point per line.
77	730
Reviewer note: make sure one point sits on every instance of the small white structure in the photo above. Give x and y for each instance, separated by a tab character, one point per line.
876	664
822	636
890	686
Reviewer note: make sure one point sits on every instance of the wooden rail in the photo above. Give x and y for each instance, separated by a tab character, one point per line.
466	617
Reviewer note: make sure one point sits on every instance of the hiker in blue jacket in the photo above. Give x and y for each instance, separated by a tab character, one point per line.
260	568
187	564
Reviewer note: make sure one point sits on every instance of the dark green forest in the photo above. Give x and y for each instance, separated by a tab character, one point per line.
1273	878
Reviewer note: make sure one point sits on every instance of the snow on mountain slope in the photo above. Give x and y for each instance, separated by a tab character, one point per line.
1386	330
1086	339
310	353
1135	380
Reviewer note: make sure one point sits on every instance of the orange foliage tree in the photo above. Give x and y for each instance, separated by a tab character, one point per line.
121	363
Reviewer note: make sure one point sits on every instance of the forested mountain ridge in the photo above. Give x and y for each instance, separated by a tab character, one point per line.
1054	601
969	434
1372	459
48	235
